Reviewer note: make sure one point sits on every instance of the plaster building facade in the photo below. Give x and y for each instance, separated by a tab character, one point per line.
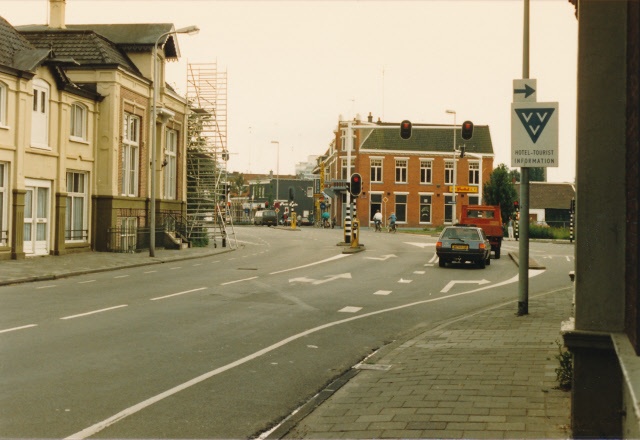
75	136
414	178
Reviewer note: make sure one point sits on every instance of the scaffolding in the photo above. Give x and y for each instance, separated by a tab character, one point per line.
207	182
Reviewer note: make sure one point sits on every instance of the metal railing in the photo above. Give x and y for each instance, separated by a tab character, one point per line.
131	240
76	234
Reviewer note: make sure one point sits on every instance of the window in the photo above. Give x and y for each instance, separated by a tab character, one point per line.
474	173
78	122
40	115
76	218
3	105
376	170
401	170
425	208
401	208
170	164
343	140
376	205
448	208
425	171
448	172
346	176
3	204
474	200
130	155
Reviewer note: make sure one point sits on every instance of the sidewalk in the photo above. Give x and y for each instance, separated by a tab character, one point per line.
52	267
486	375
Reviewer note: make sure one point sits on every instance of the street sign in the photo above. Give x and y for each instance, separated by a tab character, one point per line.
534	134
323	206
524	90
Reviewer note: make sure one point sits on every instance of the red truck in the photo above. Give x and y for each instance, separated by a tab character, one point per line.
489	219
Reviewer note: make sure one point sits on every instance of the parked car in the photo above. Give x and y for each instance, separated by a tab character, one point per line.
304	221
265	217
463	243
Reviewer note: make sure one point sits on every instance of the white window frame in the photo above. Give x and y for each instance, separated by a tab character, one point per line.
402	170
449	171
78	122
343	168
376	164
421	204
41	96
77	190
426	171
171	166
474	173
130	154
4	95
4	196
343	140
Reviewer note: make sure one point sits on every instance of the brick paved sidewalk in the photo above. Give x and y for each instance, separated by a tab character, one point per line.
488	375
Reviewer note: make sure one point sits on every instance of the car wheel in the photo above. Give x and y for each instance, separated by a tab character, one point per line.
441	262
482	263
488	260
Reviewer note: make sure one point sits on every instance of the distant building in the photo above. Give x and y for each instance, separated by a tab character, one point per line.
413	178
550	203
304	170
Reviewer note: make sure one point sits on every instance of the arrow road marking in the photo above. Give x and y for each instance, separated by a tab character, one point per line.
313	281
420	245
383	258
452	283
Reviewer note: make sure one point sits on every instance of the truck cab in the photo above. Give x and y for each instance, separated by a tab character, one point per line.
489	219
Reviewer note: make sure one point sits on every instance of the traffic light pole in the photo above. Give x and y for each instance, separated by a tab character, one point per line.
523	258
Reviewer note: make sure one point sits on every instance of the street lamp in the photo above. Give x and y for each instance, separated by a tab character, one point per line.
189	30
277	170
453	207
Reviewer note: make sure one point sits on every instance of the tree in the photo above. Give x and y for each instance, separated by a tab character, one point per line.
238	185
536	175
499	190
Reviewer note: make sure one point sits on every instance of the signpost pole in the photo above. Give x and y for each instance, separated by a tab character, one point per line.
523	285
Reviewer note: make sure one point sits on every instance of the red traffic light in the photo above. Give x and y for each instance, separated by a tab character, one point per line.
405	129
356	178
355	187
467	130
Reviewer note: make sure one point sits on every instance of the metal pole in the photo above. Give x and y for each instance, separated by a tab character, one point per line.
152	204
523	274
455	170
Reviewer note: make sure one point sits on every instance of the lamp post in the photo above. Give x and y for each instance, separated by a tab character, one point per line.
277	171
453	208
190	30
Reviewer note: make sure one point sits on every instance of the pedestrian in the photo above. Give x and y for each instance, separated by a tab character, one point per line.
510	228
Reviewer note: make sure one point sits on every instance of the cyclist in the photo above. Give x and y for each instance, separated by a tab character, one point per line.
392	222
325	219
377	219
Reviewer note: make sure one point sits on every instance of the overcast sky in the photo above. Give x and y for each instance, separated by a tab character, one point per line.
294	66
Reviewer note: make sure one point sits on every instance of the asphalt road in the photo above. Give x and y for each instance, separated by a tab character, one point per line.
226	347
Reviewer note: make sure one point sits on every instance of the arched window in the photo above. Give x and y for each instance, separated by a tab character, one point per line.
78	129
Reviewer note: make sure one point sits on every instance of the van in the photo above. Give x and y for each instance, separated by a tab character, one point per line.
266	217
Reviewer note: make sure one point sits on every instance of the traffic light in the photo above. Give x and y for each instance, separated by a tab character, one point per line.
405	129
573	205
266	205
467	130
356	184
516	206
291	193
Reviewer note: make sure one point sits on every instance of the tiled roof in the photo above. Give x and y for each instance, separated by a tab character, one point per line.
434	139
544	195
85	47
11	44
130	37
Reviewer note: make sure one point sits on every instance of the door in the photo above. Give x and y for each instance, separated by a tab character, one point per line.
36	217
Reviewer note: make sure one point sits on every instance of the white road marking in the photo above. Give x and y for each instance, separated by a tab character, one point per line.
568	259
429	265
94	429
121	276
329	278
382	292
45	287
151	271
238	281
94	312
199	264
419	272
434	258
452	283
383	258
404	281
85	282
174	268
420	244
18	328
337	257
176	294
350	309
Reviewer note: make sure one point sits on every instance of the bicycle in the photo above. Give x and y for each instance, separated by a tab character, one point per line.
378	226
392	227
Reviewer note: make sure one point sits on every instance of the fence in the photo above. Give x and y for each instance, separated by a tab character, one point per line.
131	239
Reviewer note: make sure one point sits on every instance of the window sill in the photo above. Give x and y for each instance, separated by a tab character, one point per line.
41	147
4	127
79	140
426	183
402	183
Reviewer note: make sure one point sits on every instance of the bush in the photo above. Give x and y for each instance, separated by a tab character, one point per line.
547	232
564	373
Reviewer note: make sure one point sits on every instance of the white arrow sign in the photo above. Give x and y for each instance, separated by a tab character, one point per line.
384	257
312	281
452	283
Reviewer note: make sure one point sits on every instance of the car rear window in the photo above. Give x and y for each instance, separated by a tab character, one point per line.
465	234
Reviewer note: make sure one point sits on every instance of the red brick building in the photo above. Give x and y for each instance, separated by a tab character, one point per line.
413	178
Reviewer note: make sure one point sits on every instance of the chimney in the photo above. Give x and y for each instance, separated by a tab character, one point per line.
370	118
56	14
